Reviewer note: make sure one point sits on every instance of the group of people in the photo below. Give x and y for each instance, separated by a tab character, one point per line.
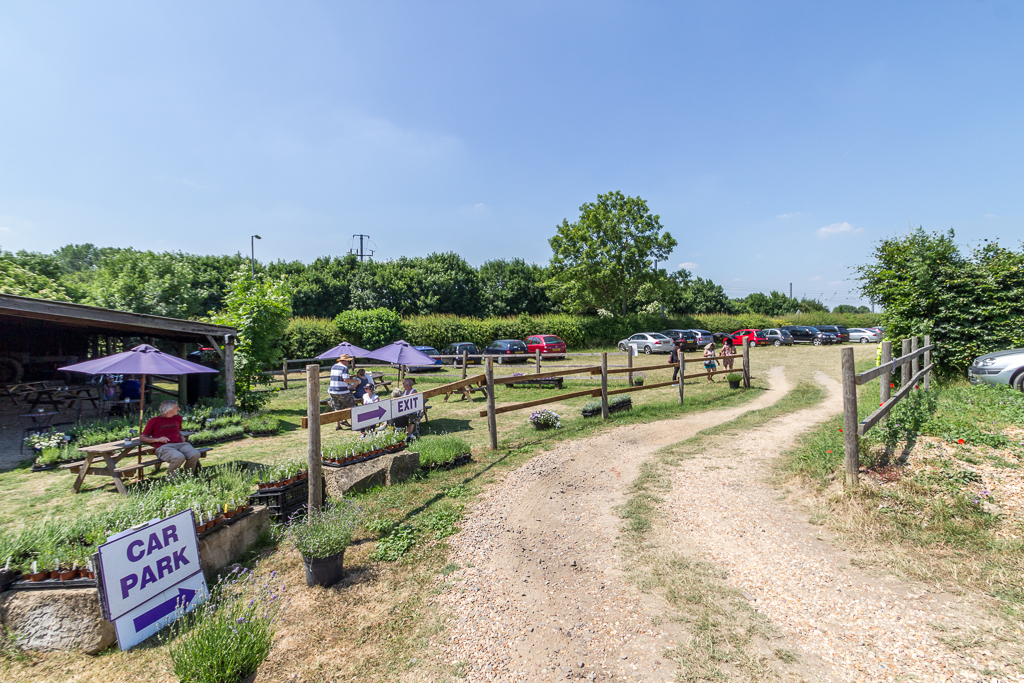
346	391
710	364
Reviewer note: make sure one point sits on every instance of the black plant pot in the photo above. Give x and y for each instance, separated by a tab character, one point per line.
324	571
734	385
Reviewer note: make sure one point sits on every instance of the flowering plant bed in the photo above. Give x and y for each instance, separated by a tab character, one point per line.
545	419
281	475
458	461
384	443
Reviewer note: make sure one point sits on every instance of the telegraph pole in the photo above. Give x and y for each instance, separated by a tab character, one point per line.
362	253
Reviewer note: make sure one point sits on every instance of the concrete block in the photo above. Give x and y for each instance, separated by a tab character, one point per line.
225	545
402	466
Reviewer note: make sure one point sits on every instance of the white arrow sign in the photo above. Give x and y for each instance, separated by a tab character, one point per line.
370	414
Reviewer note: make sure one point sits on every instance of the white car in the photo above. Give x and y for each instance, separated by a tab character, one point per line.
647	342
1001	367
865	335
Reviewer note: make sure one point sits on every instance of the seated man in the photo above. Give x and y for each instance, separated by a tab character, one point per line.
410	421
341	386
131	389
165	430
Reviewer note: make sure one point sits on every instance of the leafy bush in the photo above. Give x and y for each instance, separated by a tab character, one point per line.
325	533
309	337
439	449
734	377
228	636
370	329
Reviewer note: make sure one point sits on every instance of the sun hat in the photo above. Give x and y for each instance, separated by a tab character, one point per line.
345	356
709	346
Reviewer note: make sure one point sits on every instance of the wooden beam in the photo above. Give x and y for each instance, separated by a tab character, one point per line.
313	454
215	345
891	366
883	410
79	315
542	401
850	440
455	386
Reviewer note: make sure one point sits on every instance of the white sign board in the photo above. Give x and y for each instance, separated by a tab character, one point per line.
141	571
404	405
370	414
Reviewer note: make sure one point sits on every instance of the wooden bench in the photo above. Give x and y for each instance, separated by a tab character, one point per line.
155	461
111	454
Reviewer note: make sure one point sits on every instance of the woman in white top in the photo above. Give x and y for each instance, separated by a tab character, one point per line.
370	395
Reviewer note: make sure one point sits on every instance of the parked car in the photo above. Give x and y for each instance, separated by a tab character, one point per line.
430	351
842	334
703	337
648	342
508	351
457	348
547	344
689	338
778	337
803	334
756	337
1000	367
865	335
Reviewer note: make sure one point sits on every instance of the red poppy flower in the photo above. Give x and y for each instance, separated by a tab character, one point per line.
840	431
828	451
880	405
959	440
917	386
892	386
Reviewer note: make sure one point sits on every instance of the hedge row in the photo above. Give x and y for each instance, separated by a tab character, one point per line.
307	337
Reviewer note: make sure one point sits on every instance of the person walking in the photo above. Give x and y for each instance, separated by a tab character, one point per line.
728	351
340	388
164	432
674	356
709	360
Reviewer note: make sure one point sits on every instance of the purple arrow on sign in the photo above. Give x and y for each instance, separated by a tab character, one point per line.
164	609
371	414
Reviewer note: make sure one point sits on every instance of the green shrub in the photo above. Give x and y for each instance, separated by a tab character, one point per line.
369	329
734	377
396	543
309	337
228	636
263	425
325	533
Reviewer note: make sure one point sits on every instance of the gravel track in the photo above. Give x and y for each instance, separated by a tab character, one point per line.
541	596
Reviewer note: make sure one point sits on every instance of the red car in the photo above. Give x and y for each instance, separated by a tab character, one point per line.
547	343
757	337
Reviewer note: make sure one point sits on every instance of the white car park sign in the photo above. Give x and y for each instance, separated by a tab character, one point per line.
149	575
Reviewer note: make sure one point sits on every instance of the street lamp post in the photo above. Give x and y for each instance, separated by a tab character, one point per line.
252	260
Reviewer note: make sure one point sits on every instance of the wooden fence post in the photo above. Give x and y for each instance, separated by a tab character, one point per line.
229	371
915	365
182	381
492	423
682	371
538	361
629	364
604	385
284	372
886	383
313	454
465	358
927	362
850	419
905	367
746	362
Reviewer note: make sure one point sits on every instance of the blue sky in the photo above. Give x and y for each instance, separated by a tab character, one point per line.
777	141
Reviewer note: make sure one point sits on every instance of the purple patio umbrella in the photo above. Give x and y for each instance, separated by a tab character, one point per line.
400	352
142	360
342	348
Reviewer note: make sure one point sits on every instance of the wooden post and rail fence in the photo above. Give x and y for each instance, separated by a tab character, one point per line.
911	374
489	382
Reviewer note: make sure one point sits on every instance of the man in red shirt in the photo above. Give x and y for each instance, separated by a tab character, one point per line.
164	431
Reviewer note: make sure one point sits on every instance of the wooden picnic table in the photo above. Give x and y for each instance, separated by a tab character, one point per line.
111	454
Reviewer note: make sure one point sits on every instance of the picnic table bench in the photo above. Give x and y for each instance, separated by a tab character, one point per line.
545	382
112	453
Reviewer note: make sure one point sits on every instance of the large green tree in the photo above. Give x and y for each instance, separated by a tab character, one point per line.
21	282
323	289
511	287
604	258
438	283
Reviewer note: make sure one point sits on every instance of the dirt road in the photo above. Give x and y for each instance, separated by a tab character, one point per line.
541	592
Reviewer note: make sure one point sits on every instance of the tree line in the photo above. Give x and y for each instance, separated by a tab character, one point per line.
603	263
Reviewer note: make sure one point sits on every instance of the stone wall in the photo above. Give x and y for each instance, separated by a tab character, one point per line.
387	470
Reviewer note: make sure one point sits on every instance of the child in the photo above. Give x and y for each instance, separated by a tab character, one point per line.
709	362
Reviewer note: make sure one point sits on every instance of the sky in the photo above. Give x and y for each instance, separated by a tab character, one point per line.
778	142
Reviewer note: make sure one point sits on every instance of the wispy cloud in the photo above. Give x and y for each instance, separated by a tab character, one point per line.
689	265
836	229
4	228
990	215
784	216
816	277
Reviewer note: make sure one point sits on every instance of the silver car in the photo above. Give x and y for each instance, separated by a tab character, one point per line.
865	335
647	342
1001	367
